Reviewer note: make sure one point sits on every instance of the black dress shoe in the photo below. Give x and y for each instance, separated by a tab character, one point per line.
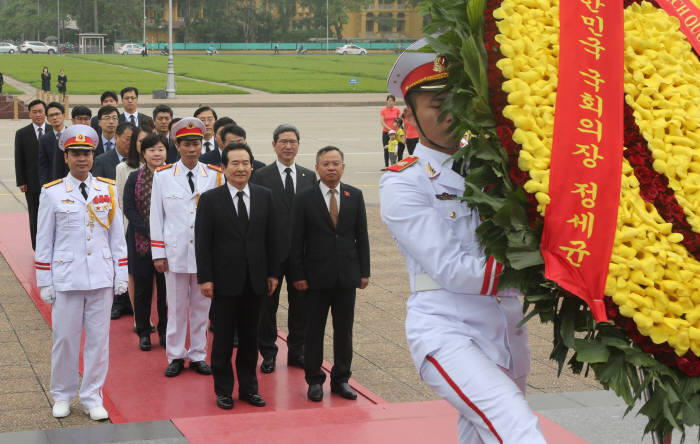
343	389
175	367
295	361
161	339
253	399
224	402
268	365
116	312
145	343
315	392
200	367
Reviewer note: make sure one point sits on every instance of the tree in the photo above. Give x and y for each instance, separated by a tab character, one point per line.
337	12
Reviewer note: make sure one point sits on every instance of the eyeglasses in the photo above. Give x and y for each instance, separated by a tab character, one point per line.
112	118
288	142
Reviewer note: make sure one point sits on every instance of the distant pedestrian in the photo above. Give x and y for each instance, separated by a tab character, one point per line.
61	86
2	82
277	48
46	80
386	118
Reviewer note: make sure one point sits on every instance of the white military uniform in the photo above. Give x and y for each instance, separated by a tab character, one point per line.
462	332
81	252
173	210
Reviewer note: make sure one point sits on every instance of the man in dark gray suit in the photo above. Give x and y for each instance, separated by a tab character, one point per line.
285	179
27	158
106	163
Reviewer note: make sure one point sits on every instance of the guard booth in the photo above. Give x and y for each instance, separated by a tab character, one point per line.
92	43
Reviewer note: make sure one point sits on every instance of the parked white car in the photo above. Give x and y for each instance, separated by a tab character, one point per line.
131	48
31	47
350	49
7	48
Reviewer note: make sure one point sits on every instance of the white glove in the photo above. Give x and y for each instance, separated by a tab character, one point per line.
48	294
121	287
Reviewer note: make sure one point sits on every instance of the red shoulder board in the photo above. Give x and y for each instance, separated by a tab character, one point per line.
215	167
403	164
164	167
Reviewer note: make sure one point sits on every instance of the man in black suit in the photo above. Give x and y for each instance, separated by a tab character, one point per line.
230	133
214	156
173	154
108	98
208	117
79	116
285	179
26	160
48	144
130	103
236	266
106	163
329	258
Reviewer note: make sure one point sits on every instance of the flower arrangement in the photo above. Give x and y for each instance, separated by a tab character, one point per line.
503	61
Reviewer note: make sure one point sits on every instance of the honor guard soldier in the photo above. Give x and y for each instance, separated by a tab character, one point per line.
462	331
174	197
81	262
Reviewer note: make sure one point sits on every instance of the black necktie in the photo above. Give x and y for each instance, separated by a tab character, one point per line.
83	190
457	167
242	212
289	185
189	179
41	132
133	121
207	146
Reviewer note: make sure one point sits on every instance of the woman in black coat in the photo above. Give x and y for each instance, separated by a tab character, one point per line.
137	198
46	80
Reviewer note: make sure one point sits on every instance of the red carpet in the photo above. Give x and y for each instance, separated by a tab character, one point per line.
136	390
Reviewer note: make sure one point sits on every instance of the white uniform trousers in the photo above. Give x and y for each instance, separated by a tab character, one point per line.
183	296
492	406
72	312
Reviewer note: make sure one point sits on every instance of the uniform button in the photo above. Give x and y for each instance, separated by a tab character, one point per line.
60	260
192	227
89	253
453	214
191	212
88	239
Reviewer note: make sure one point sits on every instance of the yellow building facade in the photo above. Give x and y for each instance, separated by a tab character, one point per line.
382	20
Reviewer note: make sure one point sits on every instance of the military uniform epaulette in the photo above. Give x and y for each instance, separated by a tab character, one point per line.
215	167
107	180
403	164
55	182
164	167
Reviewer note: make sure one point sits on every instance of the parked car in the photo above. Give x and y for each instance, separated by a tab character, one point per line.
131	48
7	48
350	49
31	47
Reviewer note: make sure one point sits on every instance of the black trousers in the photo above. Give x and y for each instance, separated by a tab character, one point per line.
33	210
411	145
267	328
233	313
402	146
143	297
341	302
385	141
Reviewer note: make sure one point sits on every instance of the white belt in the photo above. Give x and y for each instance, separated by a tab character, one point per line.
423	282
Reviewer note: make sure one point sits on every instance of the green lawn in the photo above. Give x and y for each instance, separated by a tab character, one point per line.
88	77
9	89
277	74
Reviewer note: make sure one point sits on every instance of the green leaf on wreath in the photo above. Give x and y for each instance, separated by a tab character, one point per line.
520	259
592	352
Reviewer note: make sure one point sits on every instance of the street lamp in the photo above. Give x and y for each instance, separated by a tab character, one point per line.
144	23
170	83
58	22
326	27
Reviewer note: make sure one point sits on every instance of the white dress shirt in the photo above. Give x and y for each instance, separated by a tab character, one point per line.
246	197
36	129
127	117
211	147
281	167
327	195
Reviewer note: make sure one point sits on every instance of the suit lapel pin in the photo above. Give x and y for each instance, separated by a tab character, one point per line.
347	193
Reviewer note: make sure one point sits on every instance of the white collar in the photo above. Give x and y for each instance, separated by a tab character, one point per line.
325	189
281	167
233	190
